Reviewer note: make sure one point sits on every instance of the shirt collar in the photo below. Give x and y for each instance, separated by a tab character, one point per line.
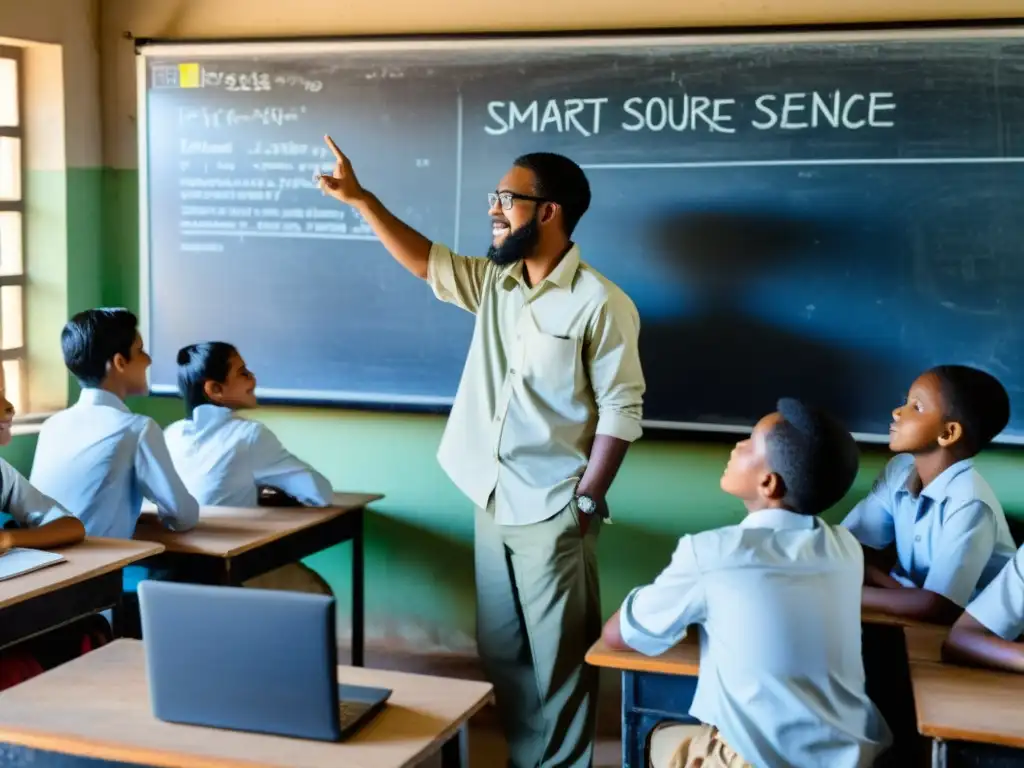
95	396
778	520
208	414
937	488
561	276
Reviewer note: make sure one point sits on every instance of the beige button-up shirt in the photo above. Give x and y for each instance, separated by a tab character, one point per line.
549	367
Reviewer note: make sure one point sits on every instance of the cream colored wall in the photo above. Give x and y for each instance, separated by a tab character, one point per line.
177	19
74	26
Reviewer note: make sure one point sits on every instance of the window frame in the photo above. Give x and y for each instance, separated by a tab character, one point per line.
18	206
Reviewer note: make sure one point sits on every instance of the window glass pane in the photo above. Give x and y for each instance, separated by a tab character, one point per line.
12	373
11	335
8	93
10	168
11	262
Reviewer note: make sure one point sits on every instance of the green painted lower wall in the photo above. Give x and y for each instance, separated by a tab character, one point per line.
419	567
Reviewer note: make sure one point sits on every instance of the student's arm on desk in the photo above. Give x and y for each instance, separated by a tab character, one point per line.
44	523
277	468
969	642
160	482
654	618
990	631
911	603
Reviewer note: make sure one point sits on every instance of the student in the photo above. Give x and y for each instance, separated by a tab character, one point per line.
949	531
777	603
224	459
990	633
97	458
42	522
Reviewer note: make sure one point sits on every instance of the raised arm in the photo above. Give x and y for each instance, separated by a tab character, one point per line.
409	247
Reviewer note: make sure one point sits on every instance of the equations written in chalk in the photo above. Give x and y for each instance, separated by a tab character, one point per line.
849	206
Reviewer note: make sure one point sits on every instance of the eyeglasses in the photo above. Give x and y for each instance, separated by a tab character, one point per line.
507	198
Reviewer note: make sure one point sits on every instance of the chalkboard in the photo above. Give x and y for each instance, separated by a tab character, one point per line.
822	216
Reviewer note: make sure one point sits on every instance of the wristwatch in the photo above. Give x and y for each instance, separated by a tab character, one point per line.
586	504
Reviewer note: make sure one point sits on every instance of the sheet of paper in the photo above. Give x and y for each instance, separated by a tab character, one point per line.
18	561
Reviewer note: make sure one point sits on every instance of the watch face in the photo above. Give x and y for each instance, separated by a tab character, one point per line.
585	503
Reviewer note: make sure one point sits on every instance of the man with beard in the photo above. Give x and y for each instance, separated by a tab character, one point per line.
549	401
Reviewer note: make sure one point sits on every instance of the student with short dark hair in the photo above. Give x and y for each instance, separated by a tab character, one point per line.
97	458
990	632
950	534
223	459
777	603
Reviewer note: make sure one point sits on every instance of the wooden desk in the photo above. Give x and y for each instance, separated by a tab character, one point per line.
973	716
924	643
87	583
654	689
97	706
230	545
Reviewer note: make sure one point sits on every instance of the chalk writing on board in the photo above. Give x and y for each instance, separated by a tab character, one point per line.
695	113
229	117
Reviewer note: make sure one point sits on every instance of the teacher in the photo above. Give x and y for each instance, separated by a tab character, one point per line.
549	401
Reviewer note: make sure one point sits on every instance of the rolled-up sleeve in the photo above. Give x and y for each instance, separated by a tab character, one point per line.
1000	606
455	279
966	543
655	617
613	364
28	506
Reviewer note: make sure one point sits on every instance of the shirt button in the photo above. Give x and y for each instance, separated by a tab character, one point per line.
917	538
512	372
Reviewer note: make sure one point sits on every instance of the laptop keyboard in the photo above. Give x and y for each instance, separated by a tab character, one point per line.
351	711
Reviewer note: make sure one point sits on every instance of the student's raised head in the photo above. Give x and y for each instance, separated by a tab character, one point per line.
953	408
213	373
798	458
103	349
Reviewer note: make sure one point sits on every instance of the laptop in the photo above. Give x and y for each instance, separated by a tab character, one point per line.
249	660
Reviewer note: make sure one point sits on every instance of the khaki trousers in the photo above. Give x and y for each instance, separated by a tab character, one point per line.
691	746
538	612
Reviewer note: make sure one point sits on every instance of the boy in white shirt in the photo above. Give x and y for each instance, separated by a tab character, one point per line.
97	458
223	459
776	600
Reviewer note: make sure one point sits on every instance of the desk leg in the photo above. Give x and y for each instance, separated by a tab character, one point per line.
455	751
938	753
358	593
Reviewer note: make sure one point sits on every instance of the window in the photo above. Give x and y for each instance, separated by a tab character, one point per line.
12	230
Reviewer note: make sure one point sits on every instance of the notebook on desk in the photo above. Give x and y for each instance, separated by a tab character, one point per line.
249	660
19	561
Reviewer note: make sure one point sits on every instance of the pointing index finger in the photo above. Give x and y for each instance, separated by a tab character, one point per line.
338	155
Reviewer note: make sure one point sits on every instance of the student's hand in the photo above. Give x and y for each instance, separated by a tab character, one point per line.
6	541
342	184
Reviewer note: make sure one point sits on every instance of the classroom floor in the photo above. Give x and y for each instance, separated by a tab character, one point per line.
487	747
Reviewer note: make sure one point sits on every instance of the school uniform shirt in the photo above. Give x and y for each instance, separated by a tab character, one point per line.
951	538
98	459
28	507
1000	606
776	600
549	367
223	459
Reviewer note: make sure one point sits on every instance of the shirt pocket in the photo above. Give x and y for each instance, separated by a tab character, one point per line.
551	366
